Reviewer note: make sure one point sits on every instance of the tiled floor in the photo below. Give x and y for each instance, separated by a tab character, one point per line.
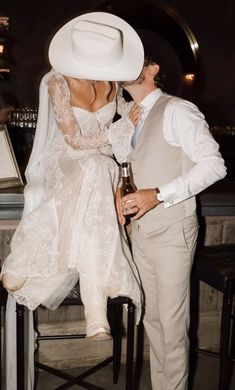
206	377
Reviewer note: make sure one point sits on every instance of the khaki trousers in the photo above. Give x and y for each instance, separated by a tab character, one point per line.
164	259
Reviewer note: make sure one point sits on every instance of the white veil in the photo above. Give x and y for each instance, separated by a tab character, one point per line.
45	133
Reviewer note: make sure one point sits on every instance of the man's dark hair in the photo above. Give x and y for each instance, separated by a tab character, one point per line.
7	99
160	78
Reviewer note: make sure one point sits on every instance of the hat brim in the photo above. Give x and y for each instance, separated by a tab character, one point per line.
127	69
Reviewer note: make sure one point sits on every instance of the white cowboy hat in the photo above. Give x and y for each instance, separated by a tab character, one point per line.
97	46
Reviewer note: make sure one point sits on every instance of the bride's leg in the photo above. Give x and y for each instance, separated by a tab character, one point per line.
94	299
12	282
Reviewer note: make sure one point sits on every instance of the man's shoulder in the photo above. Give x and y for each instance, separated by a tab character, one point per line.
178	104
177	100
172	100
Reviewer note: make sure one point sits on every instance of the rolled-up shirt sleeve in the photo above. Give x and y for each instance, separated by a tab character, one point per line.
184	126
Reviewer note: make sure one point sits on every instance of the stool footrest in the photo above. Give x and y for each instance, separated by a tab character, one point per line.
76	380
207	352
212	354
62	337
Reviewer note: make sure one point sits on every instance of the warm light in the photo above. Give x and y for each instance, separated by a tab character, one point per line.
1	49
189	78
4	22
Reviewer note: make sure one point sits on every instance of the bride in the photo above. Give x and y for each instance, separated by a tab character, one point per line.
69	228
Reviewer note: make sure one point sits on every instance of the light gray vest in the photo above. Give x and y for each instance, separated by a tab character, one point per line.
155	163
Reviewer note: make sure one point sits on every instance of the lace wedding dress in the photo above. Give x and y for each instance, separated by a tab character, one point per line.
74	232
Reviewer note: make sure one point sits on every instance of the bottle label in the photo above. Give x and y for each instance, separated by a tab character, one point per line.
125	172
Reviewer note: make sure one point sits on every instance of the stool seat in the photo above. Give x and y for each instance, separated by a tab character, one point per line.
215	265
74	297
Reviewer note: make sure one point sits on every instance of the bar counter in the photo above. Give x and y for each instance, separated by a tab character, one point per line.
216	211
217	200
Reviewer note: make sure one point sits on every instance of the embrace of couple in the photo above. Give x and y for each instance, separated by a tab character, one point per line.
70	226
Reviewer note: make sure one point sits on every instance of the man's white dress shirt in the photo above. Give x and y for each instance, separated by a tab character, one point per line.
185	126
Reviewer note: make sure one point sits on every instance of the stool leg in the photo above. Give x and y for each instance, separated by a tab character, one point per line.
2	356
117	342
225	336
130	345
20	346
1	347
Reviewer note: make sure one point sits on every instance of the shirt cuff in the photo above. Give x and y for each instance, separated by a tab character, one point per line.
169	195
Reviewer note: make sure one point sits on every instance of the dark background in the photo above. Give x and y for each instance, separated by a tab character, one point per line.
32	24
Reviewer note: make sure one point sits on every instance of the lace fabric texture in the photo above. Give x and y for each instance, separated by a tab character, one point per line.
91	132
94	135
74	232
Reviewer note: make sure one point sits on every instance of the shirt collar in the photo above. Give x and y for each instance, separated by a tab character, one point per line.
149	100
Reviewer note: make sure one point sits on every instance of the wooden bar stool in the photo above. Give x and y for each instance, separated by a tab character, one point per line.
215	266
115	314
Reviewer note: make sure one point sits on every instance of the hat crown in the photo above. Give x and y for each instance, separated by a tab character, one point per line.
96	43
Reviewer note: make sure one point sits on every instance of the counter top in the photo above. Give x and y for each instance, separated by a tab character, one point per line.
11	203
218	199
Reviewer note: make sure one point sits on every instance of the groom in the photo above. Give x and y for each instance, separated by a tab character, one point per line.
174	157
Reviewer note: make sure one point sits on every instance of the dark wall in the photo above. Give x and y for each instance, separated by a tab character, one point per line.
212	21
33	23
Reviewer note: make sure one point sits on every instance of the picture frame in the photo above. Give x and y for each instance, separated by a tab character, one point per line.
9	171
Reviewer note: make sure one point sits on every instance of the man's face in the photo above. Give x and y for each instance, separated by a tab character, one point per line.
140	80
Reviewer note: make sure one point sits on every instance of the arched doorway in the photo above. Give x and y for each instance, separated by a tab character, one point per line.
168	34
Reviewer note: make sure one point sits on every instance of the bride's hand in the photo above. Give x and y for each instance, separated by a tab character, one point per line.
135	113
120	215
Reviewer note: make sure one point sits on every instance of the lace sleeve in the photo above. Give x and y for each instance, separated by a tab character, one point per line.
120	135
60	98
123	107
121	131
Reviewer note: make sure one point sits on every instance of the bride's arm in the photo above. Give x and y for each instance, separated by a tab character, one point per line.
60	98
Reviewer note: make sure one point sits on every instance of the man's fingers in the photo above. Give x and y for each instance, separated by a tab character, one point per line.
130	210
139	214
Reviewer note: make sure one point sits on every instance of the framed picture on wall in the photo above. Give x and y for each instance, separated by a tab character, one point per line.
9	171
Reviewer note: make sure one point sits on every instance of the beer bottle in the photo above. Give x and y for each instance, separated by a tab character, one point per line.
128	185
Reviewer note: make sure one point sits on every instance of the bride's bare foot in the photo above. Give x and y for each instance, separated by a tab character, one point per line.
100	336
13	283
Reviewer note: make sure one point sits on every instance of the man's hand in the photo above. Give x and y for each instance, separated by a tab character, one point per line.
140	202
